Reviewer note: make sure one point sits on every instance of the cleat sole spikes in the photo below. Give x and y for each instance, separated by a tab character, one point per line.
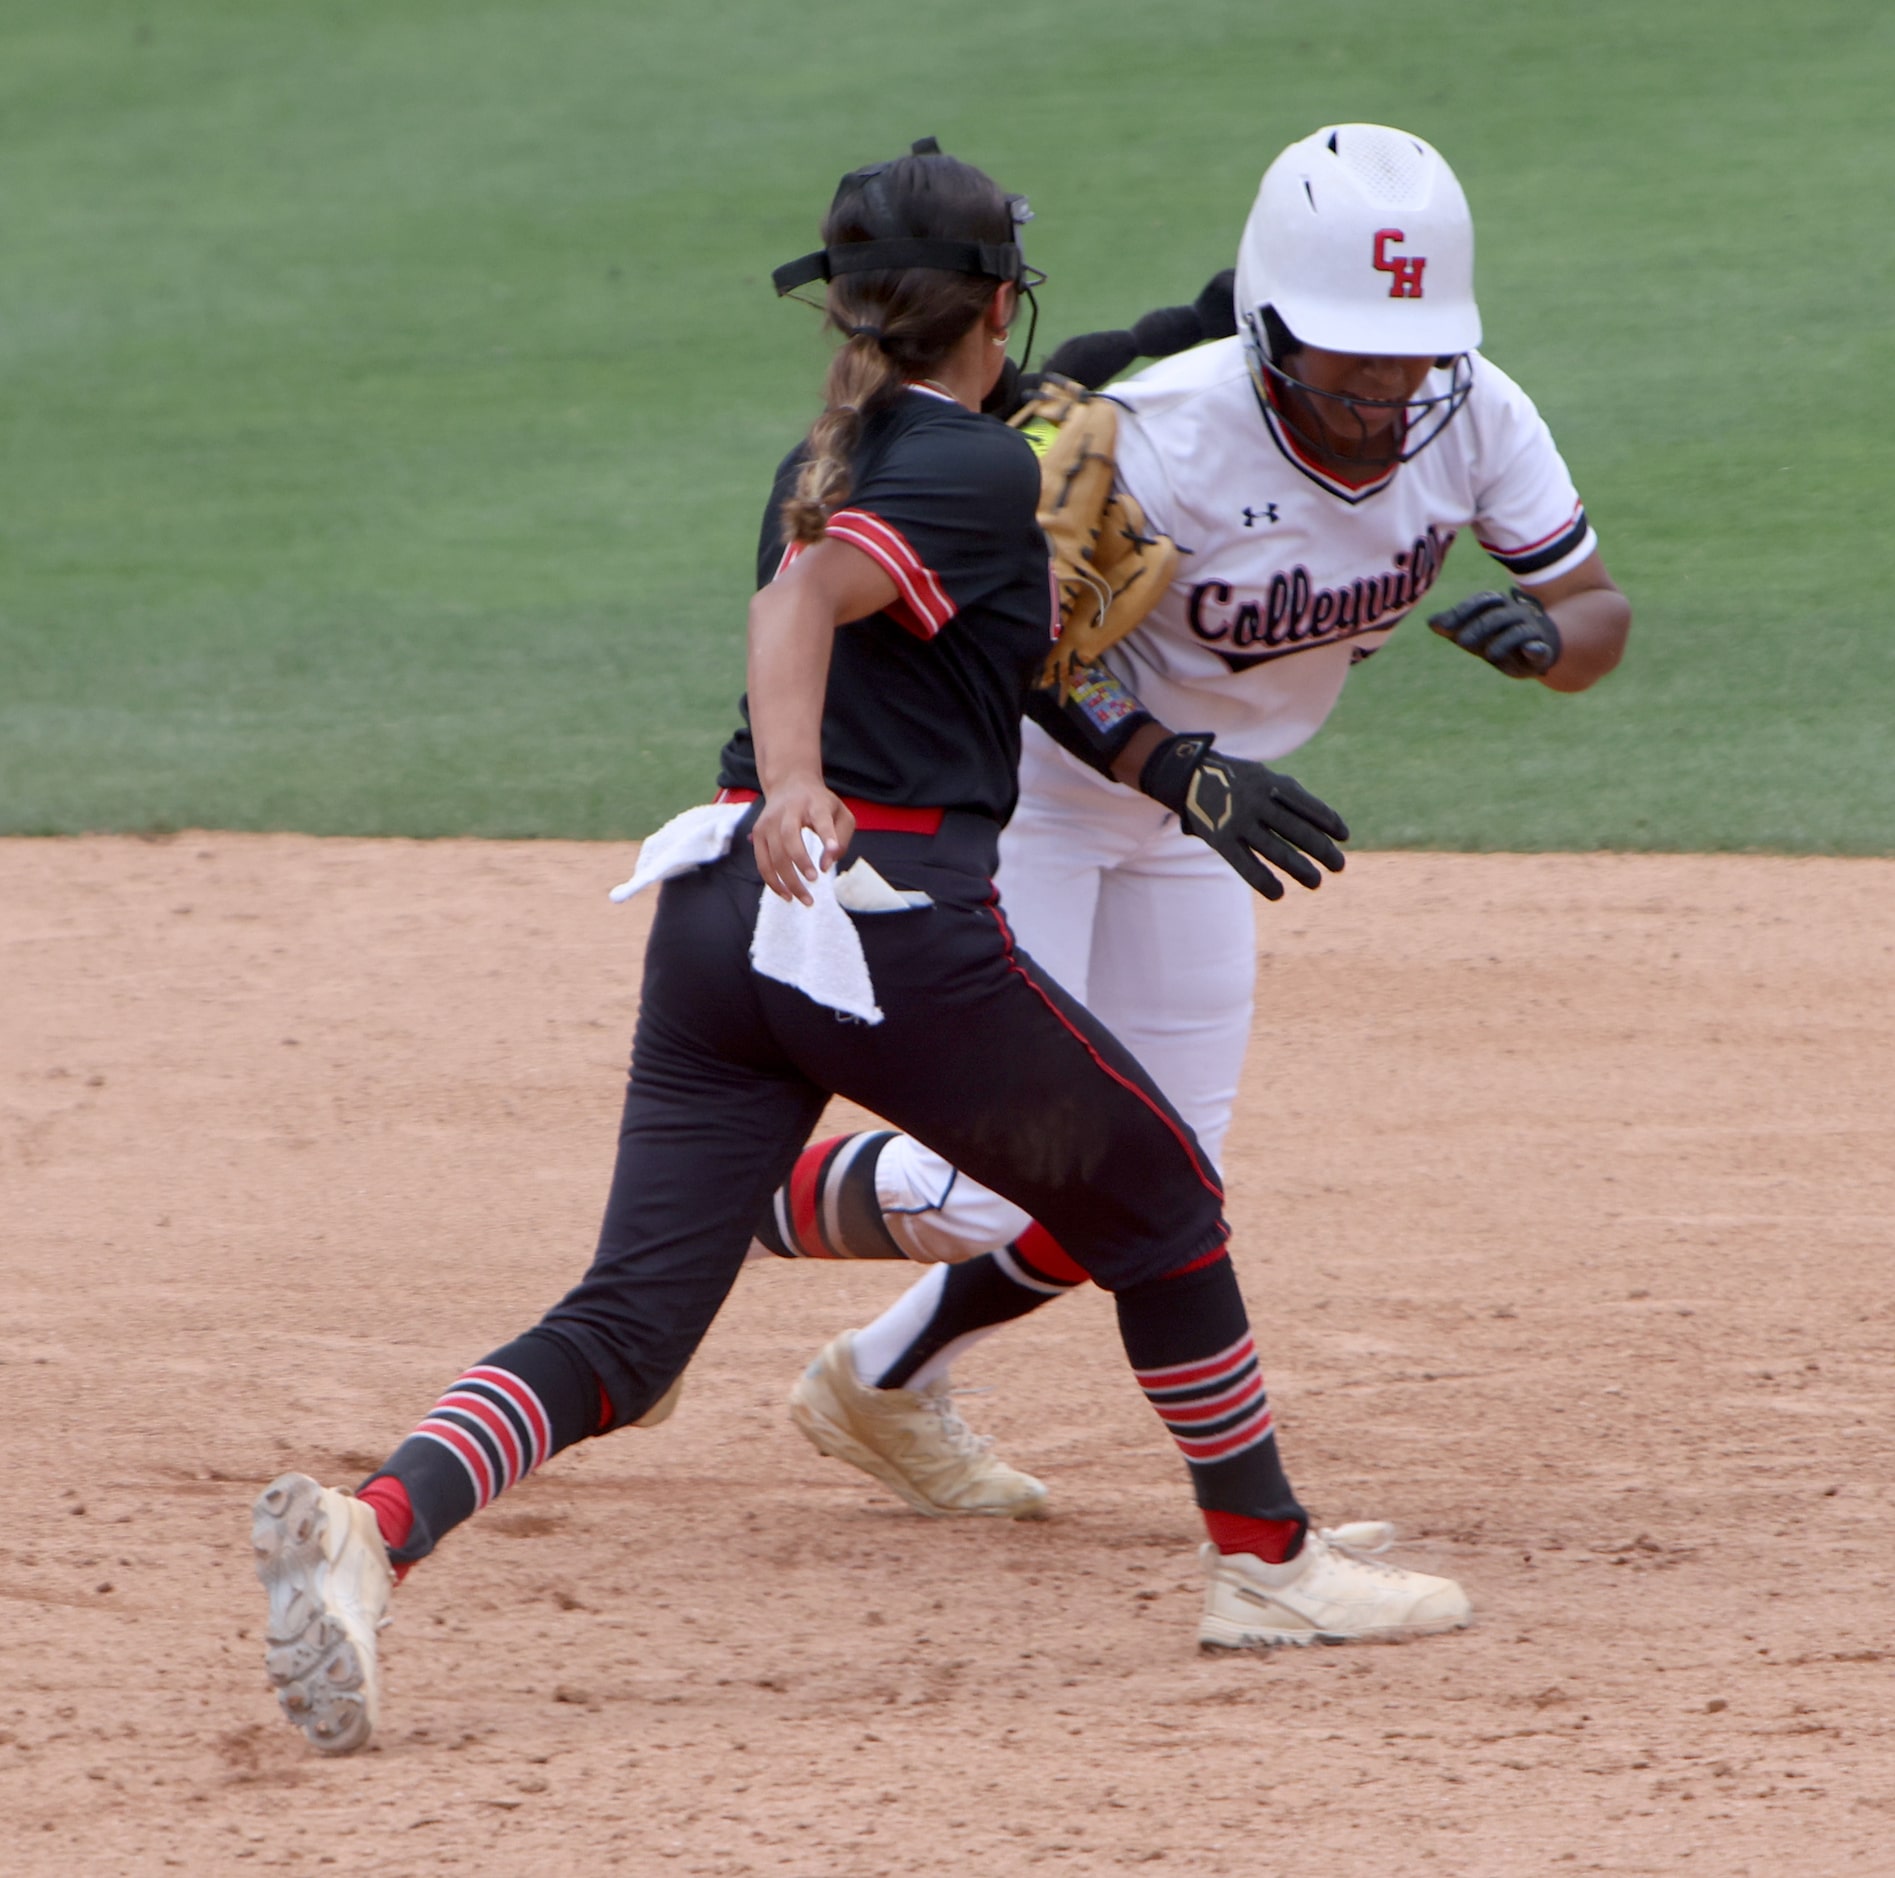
327	1579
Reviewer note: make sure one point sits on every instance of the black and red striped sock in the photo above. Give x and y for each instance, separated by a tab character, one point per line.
510	1413
1189	1342
828	1208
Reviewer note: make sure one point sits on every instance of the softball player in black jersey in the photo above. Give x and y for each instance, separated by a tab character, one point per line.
888	660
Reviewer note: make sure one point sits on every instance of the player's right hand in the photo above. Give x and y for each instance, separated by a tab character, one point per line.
1248	812
1512	631
776	837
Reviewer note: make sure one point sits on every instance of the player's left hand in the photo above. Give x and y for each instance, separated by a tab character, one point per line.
1512	631
1247	812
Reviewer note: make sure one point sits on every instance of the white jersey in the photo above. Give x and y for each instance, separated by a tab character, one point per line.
1290	575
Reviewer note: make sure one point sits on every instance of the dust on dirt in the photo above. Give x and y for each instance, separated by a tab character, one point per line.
1563	1200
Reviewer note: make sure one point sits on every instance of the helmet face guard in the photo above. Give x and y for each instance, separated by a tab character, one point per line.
1323	420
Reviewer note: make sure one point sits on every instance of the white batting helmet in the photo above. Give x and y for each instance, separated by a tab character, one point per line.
1361	239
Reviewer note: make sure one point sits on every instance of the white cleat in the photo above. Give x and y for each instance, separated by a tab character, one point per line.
1333	1591
321	1559
912	1440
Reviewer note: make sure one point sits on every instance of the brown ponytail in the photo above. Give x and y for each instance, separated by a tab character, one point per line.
901	323
861	376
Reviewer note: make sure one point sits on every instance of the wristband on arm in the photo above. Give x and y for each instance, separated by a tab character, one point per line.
1096	720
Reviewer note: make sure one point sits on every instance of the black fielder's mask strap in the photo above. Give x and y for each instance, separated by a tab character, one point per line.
993	260
997	260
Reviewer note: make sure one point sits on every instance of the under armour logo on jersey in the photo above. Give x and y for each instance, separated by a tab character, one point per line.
1406	268
1265	514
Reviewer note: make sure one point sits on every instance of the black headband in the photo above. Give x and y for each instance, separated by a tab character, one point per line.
998	260
993	260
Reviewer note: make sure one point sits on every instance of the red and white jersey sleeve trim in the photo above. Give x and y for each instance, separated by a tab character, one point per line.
923	606
1554	554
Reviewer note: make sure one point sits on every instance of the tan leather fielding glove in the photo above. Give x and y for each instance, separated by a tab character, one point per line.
1110	565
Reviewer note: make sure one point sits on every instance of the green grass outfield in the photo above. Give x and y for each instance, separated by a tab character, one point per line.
390	386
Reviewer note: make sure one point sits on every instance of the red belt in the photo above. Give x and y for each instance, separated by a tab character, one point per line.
871	818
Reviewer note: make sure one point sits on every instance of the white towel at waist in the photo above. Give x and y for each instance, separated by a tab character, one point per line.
813	948
694	839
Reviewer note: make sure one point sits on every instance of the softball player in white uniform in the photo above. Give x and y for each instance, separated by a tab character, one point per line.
1315	469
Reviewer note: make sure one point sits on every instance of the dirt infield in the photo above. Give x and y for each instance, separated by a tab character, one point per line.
1564	1201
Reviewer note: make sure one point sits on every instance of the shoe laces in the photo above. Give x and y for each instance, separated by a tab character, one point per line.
954	1431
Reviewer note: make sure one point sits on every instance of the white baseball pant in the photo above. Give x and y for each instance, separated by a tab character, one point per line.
1145	926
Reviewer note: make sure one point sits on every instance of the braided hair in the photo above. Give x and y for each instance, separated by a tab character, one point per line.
898	324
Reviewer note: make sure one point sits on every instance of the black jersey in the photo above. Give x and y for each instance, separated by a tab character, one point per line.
924	700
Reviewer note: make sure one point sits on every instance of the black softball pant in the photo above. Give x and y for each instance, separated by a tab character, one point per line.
979	1055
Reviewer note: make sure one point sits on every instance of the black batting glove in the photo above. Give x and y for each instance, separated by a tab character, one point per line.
1093	359
1512	631
1217	306
1248	813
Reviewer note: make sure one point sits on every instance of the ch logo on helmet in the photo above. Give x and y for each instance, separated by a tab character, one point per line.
1406	268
